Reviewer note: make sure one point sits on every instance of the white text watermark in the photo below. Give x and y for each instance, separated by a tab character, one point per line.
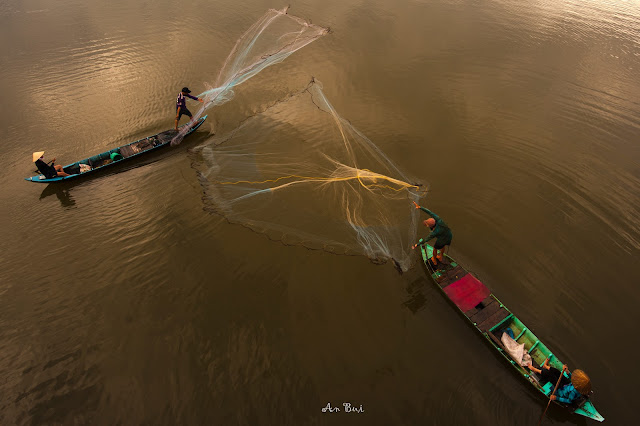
347	407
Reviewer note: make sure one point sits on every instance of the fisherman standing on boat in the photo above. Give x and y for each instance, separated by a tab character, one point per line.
181	104
439	230
579	387
49	171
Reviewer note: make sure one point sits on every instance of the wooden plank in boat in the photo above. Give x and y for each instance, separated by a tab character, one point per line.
451	276
495	340
127	151
485	313
456	273
493	319
486	302
443	281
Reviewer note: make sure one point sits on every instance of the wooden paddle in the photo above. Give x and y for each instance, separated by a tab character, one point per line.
552	393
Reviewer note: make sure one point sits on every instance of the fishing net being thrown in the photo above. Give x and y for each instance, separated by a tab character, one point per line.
302	174
270	40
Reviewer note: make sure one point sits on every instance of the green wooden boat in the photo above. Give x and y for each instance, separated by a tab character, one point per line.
491	319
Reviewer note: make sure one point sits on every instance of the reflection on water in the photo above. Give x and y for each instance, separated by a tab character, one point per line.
63	194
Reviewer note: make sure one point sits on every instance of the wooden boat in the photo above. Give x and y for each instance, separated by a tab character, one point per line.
91	165
491	319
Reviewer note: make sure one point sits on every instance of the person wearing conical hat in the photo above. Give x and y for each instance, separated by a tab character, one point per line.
51	170
579	387
439	230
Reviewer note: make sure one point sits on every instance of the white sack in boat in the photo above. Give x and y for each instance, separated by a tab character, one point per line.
516	350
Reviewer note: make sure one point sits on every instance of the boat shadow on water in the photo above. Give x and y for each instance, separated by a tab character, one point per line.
62	192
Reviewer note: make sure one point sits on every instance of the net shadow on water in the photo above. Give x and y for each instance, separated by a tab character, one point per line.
302	175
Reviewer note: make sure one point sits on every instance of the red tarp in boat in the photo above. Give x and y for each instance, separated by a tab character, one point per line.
467	292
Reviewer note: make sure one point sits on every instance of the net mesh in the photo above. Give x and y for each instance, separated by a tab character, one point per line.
301	174
270	40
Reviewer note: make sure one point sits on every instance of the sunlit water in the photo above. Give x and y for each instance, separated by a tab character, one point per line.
123	301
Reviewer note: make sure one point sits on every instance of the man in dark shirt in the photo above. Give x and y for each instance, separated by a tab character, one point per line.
181	104
48	170
549	374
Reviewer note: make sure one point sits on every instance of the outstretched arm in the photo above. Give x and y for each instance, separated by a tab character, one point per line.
427	211
430	213
422	241
195	98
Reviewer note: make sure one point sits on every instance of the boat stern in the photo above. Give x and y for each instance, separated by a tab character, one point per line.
588	410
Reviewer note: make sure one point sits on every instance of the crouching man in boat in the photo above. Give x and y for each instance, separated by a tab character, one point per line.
181	104
439	230
49	171
548	373
574	392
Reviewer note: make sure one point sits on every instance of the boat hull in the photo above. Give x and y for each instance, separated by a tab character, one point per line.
125	153
491	319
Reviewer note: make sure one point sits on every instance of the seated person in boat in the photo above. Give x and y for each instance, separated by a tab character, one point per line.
439	230
48	170
579	388
548	373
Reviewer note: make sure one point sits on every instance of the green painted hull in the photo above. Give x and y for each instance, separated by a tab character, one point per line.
490	318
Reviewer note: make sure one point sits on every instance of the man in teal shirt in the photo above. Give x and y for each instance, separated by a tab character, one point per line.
439	230
579	387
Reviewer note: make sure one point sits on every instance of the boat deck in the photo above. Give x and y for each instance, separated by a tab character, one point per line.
92	164
492	319
472	297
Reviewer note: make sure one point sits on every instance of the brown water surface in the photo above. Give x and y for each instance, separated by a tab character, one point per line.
123	302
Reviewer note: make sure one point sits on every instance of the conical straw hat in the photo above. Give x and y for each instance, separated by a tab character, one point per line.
581	382
37	155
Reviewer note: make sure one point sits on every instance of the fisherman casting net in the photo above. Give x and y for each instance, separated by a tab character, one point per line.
302	174
274	37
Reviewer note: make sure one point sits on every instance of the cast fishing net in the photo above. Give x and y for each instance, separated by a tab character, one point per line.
274	37
301	174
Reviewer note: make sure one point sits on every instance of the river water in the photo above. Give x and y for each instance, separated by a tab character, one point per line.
124	302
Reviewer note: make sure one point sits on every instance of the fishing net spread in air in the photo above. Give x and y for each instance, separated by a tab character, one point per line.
270	40
302	174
